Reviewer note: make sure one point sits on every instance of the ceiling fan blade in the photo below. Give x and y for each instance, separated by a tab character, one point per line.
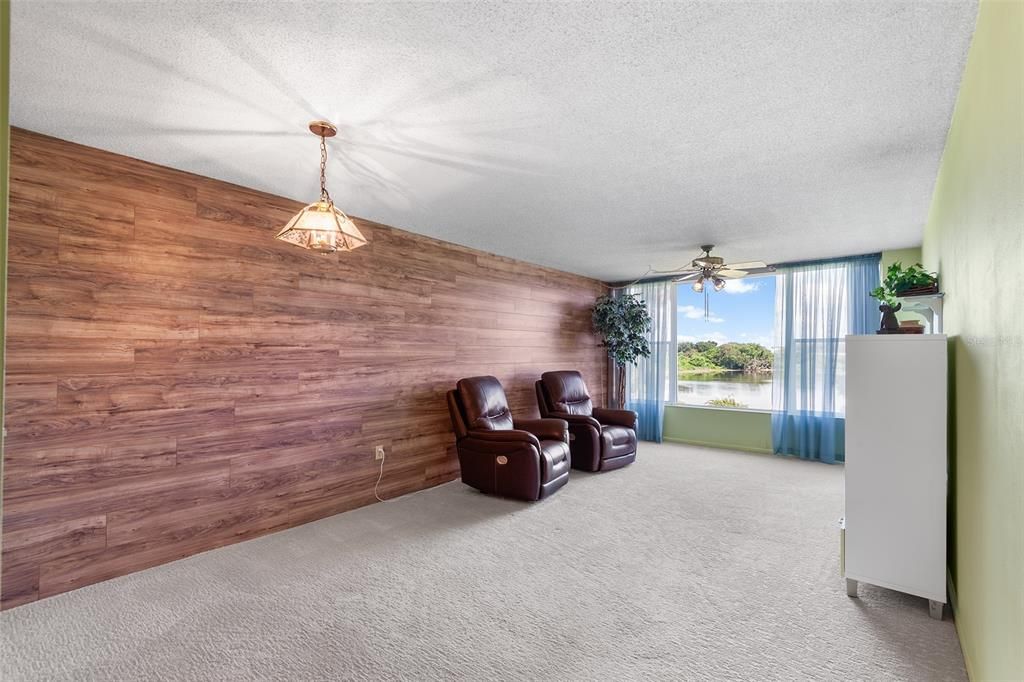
732	273
766	270
689	277
683	269
749	265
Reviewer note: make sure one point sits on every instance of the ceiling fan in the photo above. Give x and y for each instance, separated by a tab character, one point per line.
707	269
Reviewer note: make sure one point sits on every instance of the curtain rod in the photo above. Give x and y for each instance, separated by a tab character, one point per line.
789	264
828	261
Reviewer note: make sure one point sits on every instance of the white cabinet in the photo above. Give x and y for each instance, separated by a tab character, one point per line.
896	464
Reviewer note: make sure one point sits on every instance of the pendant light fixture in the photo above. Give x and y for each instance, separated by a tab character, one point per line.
322	226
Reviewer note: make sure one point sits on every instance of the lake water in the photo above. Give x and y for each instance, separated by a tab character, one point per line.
752	390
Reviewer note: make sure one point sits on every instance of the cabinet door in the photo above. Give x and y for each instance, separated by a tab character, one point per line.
896	462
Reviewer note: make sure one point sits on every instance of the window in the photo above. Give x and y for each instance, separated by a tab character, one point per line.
726	359
818	321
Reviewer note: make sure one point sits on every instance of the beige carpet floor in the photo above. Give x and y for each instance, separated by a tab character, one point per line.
689	564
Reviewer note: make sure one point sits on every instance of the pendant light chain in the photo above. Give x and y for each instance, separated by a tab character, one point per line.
324	196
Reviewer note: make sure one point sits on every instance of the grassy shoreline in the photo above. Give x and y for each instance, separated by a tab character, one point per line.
717	370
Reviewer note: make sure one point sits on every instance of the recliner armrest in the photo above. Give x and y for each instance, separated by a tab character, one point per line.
625	418
575	419
546	429
505	436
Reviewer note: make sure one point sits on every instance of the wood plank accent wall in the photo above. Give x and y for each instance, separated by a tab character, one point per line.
179	380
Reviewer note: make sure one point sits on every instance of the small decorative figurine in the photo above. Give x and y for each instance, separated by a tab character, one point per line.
890	325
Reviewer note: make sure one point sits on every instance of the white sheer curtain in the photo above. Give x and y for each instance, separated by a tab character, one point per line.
817	305
651	382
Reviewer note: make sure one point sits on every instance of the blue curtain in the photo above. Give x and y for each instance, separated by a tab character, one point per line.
816	305
651	382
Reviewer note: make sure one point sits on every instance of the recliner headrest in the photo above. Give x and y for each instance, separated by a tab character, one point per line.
568	392
484	402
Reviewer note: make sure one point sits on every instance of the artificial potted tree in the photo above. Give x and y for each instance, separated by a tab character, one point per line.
623	323
899	282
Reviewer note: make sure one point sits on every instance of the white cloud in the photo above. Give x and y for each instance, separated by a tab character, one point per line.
692	312
760	339
740	286
717	337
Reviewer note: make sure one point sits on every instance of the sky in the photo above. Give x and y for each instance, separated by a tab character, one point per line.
743	312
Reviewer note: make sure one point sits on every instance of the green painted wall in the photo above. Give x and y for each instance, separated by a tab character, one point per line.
748	430
904	256
975	239
716	427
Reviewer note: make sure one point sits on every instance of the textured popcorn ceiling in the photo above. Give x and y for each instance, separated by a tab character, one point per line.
594	137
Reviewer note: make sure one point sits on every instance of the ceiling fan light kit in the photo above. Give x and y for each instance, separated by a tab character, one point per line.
321	226
706	269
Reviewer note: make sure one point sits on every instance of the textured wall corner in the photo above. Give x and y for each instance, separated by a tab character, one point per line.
975	239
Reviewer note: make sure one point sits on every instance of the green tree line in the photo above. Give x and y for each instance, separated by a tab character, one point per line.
708	356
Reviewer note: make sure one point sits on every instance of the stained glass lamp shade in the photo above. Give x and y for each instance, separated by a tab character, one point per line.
322	226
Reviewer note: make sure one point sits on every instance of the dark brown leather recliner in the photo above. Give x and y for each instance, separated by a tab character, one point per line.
600	438
526	458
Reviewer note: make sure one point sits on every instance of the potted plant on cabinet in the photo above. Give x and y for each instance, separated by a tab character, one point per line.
899	282
623	322
912	281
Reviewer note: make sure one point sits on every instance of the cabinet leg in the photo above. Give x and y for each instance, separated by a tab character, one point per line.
851	588
935	609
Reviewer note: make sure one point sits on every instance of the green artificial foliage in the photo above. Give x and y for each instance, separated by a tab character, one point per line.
899	280
623	323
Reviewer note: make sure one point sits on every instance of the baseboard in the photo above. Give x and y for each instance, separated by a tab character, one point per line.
720	446
955	609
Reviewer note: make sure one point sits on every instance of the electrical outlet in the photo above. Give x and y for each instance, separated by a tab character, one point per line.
378	452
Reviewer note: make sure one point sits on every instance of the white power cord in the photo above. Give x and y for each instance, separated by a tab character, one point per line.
377	484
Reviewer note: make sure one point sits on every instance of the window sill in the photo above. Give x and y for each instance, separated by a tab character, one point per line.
754	410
